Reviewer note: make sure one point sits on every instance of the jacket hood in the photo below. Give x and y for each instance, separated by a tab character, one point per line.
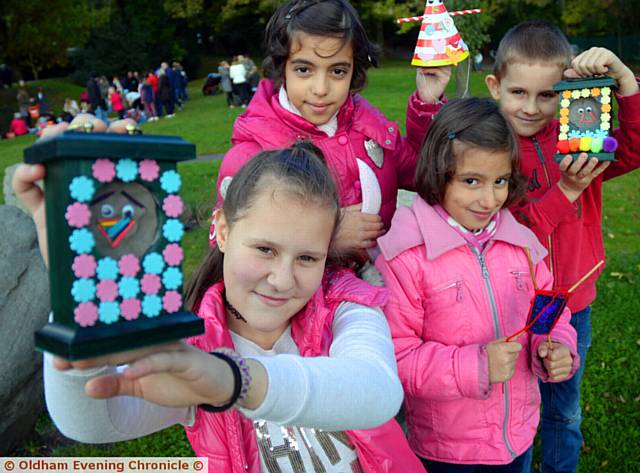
421	225
265	110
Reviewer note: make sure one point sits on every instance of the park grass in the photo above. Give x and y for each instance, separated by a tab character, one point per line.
611	392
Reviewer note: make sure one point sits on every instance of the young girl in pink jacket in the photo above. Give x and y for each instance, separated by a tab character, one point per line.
312	384
458	268
317	56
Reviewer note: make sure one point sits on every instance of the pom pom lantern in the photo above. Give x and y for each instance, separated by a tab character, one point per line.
111	209
585	118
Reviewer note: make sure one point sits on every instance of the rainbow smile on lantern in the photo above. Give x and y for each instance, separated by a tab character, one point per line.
114	229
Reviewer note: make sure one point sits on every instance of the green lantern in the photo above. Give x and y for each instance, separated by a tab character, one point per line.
585	118
113	230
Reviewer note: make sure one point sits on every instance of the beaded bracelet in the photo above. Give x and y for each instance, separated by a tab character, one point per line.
241	379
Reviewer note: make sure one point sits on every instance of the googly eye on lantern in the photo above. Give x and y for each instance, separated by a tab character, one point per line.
589	109
107	210
581	111
128	211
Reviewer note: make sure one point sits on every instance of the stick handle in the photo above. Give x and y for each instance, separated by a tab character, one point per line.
586	276
411	19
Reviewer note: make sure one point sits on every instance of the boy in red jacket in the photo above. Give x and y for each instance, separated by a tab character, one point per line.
564	205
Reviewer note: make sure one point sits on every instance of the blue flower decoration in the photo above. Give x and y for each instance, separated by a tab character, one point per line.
170	182
82	188
173	230
109	312
151	305
81	241
172	278
127	170
602	134
575	134
128	287
83	290
153	263
107	269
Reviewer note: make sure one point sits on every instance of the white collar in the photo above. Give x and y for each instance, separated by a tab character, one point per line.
329	128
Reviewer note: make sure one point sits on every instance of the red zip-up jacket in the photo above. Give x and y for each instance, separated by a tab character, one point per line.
572	232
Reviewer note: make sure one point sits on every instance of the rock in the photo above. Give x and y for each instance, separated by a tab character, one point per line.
24	308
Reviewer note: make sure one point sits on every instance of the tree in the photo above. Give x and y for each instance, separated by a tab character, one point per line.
37	34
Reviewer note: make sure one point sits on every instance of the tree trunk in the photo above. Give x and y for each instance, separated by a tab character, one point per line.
34	69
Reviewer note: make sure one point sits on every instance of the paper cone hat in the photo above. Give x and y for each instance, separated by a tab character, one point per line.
439	43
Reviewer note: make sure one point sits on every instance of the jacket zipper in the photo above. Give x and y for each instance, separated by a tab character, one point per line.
496	328
546	175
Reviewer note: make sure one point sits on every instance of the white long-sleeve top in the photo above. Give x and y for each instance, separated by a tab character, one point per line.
355	387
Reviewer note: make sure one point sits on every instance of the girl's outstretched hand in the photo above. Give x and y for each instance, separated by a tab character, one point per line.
172	375
30	194
431	82
557	360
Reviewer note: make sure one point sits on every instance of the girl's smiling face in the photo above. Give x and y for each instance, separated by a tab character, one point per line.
274	258
318	76
479	187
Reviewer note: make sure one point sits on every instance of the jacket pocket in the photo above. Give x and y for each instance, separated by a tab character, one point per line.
446	318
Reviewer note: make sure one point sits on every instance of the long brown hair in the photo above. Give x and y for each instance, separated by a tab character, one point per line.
298	170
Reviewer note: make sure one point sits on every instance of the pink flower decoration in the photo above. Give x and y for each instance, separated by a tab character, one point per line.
173	254
104	170
149	170
84	266
107	290
86	314
78	215
129	265
130	309
150	283
172	205
172	301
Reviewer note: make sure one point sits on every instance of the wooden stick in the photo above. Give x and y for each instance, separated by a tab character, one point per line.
532	270
453	13
586	276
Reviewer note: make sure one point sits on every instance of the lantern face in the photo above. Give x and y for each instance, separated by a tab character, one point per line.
114	237
584	115
585	119
124	219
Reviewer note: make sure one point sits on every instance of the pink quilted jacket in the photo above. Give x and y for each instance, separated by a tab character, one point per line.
228	438
446	303
266	125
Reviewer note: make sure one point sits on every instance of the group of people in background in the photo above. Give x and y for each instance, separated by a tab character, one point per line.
238	80
142	96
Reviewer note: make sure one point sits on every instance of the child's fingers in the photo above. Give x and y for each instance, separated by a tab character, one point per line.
565	163
162	362
600	168
24	185
61	364
104	387
577	165
125	357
